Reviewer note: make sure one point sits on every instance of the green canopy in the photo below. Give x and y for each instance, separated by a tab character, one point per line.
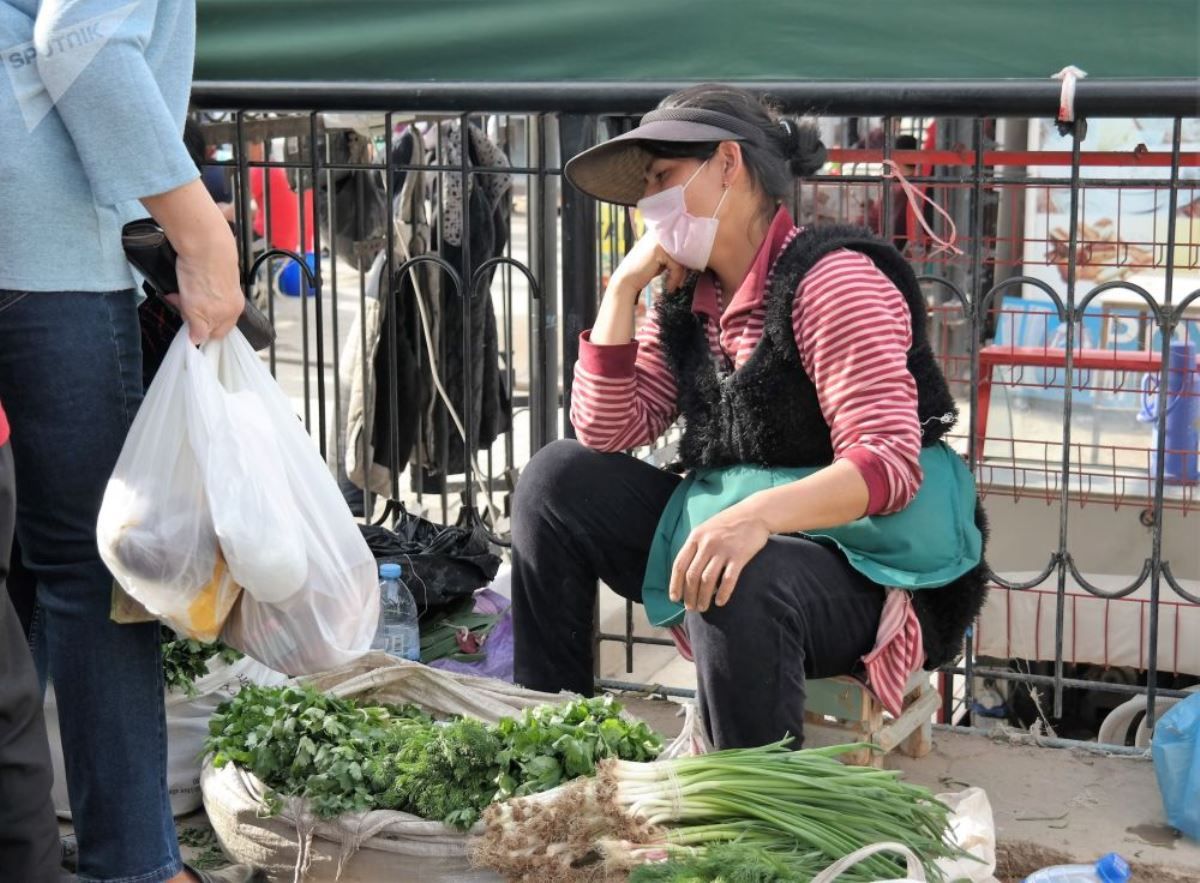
509	40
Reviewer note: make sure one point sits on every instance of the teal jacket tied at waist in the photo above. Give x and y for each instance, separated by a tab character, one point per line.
929	543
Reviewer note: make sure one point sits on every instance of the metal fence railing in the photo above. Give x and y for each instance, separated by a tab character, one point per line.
449	263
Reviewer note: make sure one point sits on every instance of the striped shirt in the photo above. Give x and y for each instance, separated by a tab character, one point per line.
853	330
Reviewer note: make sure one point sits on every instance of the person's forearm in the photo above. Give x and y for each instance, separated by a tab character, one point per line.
210	290
832	497
614	320
188	216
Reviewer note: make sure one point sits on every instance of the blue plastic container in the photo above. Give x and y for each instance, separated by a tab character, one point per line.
1183	416
289	276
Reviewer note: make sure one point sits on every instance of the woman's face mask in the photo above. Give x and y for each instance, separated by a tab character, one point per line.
682	235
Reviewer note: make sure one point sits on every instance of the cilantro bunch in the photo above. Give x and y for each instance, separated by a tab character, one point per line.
302	743
344	756
185	661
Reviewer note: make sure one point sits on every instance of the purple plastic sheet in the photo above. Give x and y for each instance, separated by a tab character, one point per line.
497	649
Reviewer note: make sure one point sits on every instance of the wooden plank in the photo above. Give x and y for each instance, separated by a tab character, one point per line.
917	714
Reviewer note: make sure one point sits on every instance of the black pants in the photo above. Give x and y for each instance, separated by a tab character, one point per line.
29	847
799	610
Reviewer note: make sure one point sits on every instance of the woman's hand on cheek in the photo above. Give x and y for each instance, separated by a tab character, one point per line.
645	261
710	562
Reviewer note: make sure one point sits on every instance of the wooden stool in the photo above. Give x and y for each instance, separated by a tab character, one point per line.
859	717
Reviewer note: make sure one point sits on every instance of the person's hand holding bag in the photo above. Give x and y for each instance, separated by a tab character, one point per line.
210	292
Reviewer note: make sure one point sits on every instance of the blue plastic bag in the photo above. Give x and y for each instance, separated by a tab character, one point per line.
1176	752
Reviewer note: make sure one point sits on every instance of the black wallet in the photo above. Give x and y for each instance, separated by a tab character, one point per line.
147	248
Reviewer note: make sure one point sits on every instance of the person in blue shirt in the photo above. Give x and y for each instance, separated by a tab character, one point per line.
92	105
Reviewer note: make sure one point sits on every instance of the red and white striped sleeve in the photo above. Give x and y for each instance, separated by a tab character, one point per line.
623	395
854	329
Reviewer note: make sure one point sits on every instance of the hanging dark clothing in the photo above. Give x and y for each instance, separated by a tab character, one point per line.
409	422
467	234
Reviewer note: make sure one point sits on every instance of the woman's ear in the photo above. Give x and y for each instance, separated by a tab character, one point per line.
730	162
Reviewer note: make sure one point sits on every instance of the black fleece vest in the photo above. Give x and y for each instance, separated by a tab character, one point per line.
767	413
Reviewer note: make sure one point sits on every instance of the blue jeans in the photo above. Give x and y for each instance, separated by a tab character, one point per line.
71	382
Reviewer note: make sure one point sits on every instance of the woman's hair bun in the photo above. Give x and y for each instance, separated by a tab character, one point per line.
803	148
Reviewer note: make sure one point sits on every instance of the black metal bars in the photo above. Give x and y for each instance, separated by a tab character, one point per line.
993	98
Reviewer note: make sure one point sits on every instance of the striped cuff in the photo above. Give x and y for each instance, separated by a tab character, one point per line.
607	360
874	472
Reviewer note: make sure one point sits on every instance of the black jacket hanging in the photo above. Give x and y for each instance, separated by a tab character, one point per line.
411	424
482	222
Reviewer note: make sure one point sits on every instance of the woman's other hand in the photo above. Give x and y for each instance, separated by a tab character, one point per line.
713	557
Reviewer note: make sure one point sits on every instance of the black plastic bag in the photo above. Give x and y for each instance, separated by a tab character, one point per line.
439	564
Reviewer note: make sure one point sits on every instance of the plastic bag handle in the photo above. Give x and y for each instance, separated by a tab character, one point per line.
914	870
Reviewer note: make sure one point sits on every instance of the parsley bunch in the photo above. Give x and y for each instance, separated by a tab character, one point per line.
185	661
303	743
343	756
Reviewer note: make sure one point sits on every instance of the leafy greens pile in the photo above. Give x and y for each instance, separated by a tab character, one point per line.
343	756
185	661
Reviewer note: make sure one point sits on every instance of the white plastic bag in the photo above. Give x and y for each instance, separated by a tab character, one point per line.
218	485
241	463
915	873
331	619
973	829
155	531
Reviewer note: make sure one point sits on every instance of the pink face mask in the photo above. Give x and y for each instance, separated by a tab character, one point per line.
682	235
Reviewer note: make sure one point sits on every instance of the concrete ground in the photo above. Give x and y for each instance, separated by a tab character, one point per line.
1056	806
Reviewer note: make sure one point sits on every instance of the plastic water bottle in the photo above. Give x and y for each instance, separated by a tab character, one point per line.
1110	869
398	632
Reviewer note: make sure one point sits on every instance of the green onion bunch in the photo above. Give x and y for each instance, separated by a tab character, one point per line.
803	807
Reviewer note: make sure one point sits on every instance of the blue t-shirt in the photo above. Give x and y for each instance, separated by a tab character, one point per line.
93	96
